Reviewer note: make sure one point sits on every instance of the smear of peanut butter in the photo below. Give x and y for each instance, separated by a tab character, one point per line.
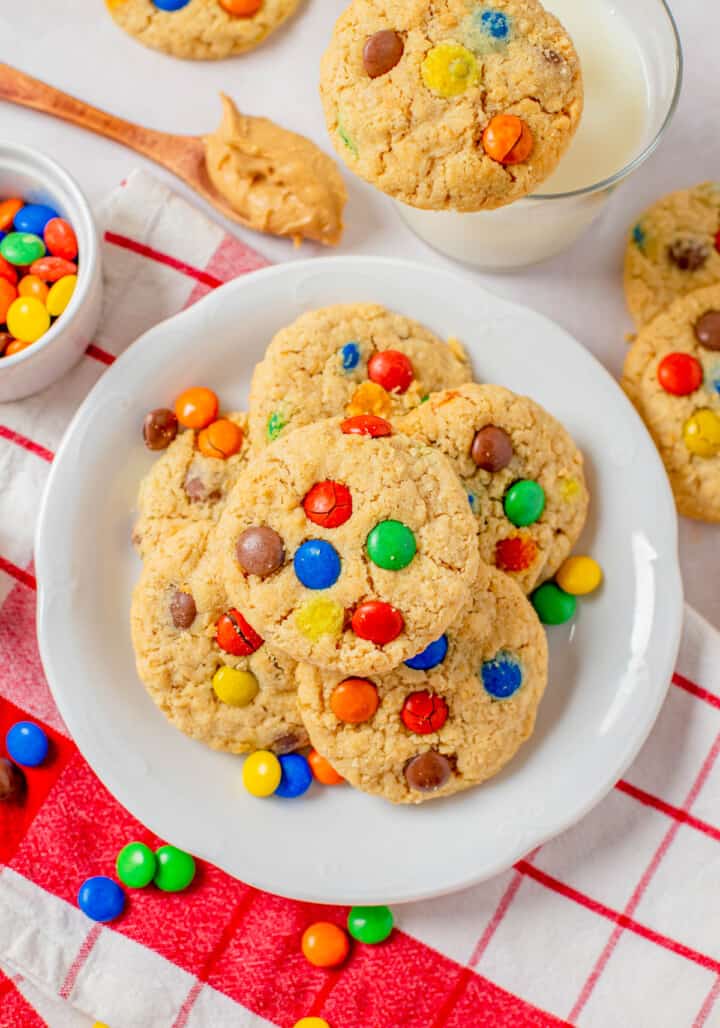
276	180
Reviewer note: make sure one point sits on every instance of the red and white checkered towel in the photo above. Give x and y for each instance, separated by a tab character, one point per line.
615	923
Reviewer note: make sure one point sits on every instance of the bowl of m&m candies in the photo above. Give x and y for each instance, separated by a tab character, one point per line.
50	276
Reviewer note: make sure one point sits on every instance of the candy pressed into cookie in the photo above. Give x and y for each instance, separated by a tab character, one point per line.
203	665
348	546
348	359
446	721
521	472
184	485
451	104
672	375
673	249
200	29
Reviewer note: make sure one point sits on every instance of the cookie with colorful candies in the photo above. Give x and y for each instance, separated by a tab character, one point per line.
433	732
522	473
348	359
347	545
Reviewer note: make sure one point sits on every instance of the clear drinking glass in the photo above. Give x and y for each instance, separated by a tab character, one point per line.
542	225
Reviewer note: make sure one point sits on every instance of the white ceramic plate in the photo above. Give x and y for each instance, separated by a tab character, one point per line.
609	669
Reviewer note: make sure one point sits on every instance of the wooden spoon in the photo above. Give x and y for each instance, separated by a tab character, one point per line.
184	156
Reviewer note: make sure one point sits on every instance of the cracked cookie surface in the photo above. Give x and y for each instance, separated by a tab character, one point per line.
364	580
200	29
673	249
408	110
514	440
477	706
318	367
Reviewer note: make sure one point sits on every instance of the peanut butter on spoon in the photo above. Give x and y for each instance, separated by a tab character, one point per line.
276	180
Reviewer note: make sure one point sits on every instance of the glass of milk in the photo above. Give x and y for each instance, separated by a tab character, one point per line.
631	60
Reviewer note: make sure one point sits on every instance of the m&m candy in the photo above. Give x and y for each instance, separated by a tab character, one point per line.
370	925
33	218
424	712
392	370
261	773
370	398
325	944
175	869
579	575
12	781
60	239
378	622
8	294
31	285
524	502
354	700
320	617
328	504
101	899
391	545
8	210
241	8
27	319
317	564
680	374
508	139
235	687
311	1022
235	635
502	676
516	553
552	604
322	770
22	248
136	865
27	744
701	433
221	439
296	776
196	407
50	269
60	294
430	657
366	424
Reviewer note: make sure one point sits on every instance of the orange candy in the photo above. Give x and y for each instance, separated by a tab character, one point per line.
322	770
8	272
8	210
241	8
325	945
221	439
196	407
15	347
7	294
31	285
508	139
354	700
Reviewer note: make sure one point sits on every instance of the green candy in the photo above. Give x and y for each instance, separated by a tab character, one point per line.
275	425
552	605
524	502
136	865
345	136
175	869
370	924
391	545
22	248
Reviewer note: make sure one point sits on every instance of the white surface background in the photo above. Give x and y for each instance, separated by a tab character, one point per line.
74	45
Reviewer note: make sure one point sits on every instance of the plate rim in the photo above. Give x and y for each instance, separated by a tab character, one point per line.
673	592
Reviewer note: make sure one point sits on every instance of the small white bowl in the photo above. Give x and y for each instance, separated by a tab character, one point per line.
29	174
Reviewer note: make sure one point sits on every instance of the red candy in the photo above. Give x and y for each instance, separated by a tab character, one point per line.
680	374
516	553
392	370
424	712
235	635
8	272
328	504
366	424
50	269
60	239
377	622
717	242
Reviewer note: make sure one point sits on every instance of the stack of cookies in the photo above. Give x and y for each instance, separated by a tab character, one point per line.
346	566
672	372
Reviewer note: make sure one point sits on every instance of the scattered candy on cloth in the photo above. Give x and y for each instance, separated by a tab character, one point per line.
615	923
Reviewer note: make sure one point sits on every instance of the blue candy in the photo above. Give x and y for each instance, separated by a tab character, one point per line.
639	237
296	776
317	564
101	899
713	376
431	656
2	236
171	5
27	744
350	354
33	217
496	24
502	676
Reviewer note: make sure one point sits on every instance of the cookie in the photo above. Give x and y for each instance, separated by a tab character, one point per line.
348	546
673	249
418	734
200	29
348	359
672	375
521	471
451	105
176	607
184	486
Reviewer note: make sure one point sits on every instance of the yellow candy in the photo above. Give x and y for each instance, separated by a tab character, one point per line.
60	294
261	773
369	398
236	688
569	488
100	1024
449	69
311	1022
320	617
27	319
579	576
701	433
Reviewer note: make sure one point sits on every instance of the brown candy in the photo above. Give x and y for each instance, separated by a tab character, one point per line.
552	56
492	448
381	52
707	330
12	781
428	771
287	744
260	551
689	254
159	428
197	491
182	609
